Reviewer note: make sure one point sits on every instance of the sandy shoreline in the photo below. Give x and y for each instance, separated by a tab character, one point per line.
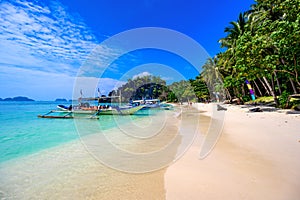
256	157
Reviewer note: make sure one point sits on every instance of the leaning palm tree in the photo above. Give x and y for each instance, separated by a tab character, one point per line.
236	29
212	77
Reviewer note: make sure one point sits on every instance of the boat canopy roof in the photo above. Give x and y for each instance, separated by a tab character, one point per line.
98	98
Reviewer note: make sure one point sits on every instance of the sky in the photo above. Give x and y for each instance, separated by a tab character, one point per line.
55	48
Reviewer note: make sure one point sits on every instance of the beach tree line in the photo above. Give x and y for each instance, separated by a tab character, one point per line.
154	87
263	47
144	87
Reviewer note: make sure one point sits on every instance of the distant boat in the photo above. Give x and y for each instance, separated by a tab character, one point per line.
149	103
153	103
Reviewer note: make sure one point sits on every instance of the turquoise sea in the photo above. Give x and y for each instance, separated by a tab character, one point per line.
23	133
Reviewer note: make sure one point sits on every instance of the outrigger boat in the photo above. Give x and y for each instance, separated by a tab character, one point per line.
103	110
69	114
122	110
84	110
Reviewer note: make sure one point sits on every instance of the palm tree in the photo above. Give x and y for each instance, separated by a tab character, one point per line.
234	31
212	77
227	60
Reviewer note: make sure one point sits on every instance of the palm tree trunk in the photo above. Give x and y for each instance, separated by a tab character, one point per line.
296	71
277	81
257	87
264	85
268	86
235	92
293	86
273	85
228	93
271	90
243	91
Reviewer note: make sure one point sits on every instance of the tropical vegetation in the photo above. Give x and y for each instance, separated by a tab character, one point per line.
144	87
153	87
261	47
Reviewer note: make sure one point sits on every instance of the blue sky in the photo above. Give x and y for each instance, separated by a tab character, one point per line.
44	44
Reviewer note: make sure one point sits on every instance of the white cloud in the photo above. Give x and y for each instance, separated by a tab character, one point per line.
48	38
142	74
43	46
36	36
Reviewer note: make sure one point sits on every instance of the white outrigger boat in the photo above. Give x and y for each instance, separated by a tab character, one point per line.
153	104
102	110
92	112
70	114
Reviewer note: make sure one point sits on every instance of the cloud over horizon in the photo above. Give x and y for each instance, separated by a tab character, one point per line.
41	49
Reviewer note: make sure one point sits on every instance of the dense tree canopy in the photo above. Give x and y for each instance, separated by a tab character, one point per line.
153	87
145	87
262	46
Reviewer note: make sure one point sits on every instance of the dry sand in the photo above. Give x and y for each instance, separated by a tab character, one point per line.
256	157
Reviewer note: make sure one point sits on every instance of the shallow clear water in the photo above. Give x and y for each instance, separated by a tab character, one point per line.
23	133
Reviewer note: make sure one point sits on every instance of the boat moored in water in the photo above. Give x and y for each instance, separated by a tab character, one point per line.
120	110
153	104
88	111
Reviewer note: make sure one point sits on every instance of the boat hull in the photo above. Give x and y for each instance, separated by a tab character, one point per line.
59	114
80	113
120	111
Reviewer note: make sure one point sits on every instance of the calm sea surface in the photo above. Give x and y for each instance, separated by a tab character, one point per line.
23	133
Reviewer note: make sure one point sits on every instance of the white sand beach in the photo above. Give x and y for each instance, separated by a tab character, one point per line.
256	157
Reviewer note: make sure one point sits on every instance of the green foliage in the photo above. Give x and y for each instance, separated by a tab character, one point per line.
152	87
183	91
246	98
148	87
263	44
200	88
283	99
294	102
172	97
262	100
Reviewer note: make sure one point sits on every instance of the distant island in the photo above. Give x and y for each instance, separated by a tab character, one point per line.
64	100
16	99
